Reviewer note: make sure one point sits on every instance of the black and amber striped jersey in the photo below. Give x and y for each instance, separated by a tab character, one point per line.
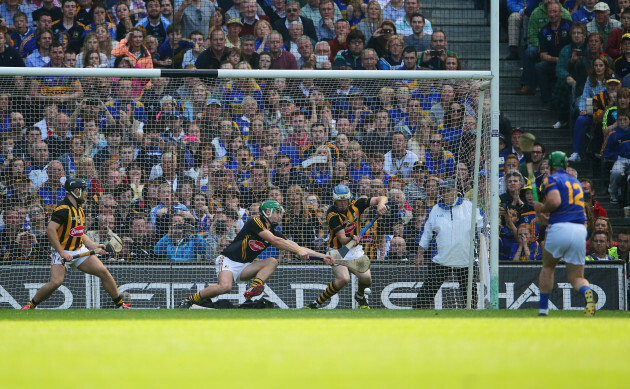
70	220
349	221
248	244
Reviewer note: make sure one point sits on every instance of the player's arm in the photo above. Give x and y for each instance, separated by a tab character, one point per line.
380	202
289	245
552	202
51	232
92	245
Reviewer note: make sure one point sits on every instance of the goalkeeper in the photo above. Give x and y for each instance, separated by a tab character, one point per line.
65	233
344	222
237	260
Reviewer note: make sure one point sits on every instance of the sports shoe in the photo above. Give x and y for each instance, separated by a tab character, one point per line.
27	307
543	312
254	291
559	124
590	303
614	199
575	157
124	306
362	300
313	305
186	304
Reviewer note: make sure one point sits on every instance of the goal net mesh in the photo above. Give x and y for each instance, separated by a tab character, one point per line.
176	166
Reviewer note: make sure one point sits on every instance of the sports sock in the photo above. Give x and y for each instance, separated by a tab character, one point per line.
118	301
32	303
584	289
256	282
195	297
544	301
330	291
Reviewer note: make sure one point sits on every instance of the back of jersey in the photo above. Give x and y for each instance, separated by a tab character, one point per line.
571	209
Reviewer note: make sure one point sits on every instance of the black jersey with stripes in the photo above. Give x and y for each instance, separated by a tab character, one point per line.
70	220
349	220
248	244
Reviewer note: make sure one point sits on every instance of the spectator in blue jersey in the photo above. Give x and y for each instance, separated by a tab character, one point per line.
124	104
552	37
617	148
174	47
154	22
440	162
28	44
352	56
99	16
77	151
393	60
409	125
585	13
22	29
10	7
76	31
53	191
181	243
41	55
528	249
357	162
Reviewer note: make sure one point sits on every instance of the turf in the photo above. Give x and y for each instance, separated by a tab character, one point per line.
312	349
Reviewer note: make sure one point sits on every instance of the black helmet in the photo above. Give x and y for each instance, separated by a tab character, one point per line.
75	183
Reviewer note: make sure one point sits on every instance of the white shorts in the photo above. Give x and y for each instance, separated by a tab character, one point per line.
353	253
225	263
567	241
56	258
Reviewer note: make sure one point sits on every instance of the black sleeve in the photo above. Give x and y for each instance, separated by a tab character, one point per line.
60	216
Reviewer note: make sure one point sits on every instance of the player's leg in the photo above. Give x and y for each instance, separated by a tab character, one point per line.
365	281
342	277
575	275
545	281
92	265
228	271
262	271
461	275
57	275
435	277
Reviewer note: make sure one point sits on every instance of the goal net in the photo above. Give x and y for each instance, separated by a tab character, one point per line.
176	164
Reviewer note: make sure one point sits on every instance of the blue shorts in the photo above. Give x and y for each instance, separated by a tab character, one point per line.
567	241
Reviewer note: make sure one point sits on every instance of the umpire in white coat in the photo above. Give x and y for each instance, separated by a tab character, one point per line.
449	223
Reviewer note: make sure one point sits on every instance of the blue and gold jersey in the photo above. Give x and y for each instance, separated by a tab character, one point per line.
571	209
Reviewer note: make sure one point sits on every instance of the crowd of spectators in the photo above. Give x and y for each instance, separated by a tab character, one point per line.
574	55
175	166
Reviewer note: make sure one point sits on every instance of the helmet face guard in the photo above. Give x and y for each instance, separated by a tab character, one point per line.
269	205
75	183
341	192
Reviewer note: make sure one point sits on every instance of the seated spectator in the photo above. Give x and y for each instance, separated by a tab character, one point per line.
435	57
154	22
439	161
602	22
600	82
52	191
166	170
293	15
403	23
400	161
617	148
553	37
372	20
133	47
41	55
138	244
175	47
181	243
515	23
380	38
528	248
413	121
167	206
614	46
393	60
599	245
590	201
340	42
622	251
9	56
352	56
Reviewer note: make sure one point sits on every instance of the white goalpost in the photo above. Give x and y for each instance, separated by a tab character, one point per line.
209	136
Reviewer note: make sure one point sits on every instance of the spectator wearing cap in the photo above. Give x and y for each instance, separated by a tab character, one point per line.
352	56
234	26
449	223
193	15
622	64
281	59
553	37
613	46
600	83
602	23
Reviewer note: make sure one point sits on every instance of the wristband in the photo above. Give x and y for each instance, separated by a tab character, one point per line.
298	252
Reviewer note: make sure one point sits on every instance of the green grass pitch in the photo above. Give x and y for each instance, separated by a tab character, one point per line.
312	349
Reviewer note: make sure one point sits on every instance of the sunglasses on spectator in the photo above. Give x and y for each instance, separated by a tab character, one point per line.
38	212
